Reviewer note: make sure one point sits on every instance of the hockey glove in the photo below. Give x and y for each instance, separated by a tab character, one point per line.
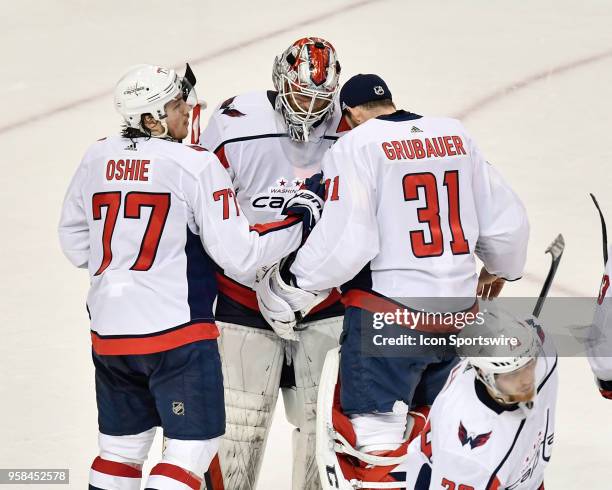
308	205
300	300
274	309
316	184
605	388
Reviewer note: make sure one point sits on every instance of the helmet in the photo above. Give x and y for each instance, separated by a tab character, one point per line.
518	343
146	89
309	67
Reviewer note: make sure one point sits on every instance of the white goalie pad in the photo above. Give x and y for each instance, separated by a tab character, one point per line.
332	445
327	459
252	361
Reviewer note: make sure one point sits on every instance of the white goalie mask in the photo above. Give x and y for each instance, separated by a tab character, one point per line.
146	89
518	349
306	77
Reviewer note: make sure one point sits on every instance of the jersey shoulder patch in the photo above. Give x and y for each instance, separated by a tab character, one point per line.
227	108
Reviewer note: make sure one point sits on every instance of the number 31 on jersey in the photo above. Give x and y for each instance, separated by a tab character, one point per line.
430	214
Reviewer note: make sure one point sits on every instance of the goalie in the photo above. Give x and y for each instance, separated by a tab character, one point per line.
410	202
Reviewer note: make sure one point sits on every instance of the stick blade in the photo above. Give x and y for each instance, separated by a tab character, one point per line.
556	247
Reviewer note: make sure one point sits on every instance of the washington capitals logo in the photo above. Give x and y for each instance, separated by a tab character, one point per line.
228	109
474	440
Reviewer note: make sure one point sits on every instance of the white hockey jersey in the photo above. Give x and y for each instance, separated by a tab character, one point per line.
410	200
471	443
267	168
599	348
148	217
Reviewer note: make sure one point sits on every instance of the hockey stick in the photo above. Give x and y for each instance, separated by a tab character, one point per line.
556	251
604	231
195	124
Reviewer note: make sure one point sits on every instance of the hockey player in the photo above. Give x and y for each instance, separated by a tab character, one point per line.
599	346
149	217
492	426
270	142
600	342
411	202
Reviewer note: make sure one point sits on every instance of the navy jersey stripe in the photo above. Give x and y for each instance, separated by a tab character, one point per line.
254	137
548	375
494	475
201	279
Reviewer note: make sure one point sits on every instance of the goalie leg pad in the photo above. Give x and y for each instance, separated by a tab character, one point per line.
252	359
341	465
308	356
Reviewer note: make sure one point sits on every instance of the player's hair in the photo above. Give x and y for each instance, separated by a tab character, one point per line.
141	132
375	104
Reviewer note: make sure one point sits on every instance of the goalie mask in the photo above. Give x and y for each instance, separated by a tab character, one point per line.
306	78
146	89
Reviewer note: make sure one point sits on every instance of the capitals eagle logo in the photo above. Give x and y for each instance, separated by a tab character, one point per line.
475	441
228	109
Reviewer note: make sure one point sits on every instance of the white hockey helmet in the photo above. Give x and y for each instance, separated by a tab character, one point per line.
519	343
308	68
146	89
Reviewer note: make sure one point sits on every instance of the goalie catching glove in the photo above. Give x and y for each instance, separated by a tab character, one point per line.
281	304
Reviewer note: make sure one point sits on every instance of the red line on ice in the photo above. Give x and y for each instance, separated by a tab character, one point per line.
207	57
529	80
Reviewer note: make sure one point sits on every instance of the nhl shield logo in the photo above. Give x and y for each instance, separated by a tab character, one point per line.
178	408
378	90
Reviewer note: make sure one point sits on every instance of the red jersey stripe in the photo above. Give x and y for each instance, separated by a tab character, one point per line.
379	304
263	228
154	343
220	152
237	292
247	297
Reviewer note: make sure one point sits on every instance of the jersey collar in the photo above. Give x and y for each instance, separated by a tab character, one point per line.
399	116
487	400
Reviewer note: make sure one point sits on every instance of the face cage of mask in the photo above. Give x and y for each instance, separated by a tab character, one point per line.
301	121
189	96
